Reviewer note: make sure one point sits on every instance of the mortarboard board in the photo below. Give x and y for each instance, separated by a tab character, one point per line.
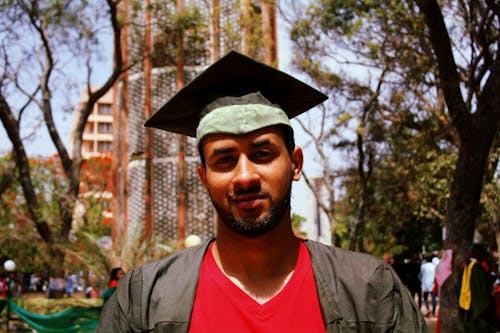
233	75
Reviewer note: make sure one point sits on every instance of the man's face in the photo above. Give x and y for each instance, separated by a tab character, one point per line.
248	178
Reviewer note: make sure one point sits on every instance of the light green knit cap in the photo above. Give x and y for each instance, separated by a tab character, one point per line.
239	115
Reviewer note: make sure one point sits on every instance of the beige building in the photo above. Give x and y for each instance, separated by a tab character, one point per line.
98	133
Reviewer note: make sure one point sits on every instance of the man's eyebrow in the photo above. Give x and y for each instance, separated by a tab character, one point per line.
260	143
218	151
254	145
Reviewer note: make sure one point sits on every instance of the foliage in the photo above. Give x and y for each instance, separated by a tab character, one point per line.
20	241
297	221
190	24
87	248
253	22
133	250
40	42
488	223
414	99
386	115
374	120
95	195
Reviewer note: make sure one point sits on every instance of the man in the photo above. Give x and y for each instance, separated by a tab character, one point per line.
256	276
427	276
476	312
413	278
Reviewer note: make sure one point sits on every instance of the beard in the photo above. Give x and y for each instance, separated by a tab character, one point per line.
255	227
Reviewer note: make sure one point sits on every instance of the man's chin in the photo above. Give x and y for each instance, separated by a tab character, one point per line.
251	228
252	233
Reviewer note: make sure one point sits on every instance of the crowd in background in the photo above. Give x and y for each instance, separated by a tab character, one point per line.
418	274
478	290
83	284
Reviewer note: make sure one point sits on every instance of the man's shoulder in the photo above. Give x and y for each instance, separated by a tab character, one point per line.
361	289
160	290
356	272
338	257
170	265
170	273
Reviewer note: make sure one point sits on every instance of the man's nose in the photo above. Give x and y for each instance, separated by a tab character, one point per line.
245	174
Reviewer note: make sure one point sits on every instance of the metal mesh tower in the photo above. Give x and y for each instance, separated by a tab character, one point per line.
210	28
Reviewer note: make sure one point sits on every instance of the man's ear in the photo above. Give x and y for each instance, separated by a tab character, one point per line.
203	175
297	162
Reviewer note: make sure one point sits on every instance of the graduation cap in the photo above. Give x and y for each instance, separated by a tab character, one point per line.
233	75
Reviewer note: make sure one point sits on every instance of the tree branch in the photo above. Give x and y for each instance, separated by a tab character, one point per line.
93	96
448	74
12	128
37	21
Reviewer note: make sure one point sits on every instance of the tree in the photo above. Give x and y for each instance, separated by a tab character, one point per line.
297	221
475	116
375	119
19	239
423	76
39	40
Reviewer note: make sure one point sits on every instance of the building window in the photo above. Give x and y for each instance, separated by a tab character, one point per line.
105	128
105	109
104	146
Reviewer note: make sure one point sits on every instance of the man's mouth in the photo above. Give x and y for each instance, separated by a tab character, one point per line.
248	201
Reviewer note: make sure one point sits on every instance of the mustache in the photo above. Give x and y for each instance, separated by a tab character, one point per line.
253	190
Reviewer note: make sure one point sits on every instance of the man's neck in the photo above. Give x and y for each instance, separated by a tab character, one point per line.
260	266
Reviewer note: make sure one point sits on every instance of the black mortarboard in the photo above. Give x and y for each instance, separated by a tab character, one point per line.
233	75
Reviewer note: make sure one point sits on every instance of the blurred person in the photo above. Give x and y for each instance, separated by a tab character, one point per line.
436	259
88	291
400	266
388	259
496	299
33	282
12	286
413	281
116	274
476	310
3	287
70	284
427	277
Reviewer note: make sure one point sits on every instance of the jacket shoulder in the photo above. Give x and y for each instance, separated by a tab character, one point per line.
352	263
159	291
362	291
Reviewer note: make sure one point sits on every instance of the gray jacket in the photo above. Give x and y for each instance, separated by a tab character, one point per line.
357	293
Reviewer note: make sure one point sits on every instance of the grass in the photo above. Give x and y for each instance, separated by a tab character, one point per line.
38	303
50	306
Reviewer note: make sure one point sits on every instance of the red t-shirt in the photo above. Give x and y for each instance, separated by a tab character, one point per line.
221	306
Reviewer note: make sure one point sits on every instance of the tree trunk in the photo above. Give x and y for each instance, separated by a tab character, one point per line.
460	221
56	273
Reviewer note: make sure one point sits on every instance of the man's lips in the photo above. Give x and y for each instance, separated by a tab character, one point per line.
248	201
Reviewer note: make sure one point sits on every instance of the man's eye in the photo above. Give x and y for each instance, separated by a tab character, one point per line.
263	155
224	161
